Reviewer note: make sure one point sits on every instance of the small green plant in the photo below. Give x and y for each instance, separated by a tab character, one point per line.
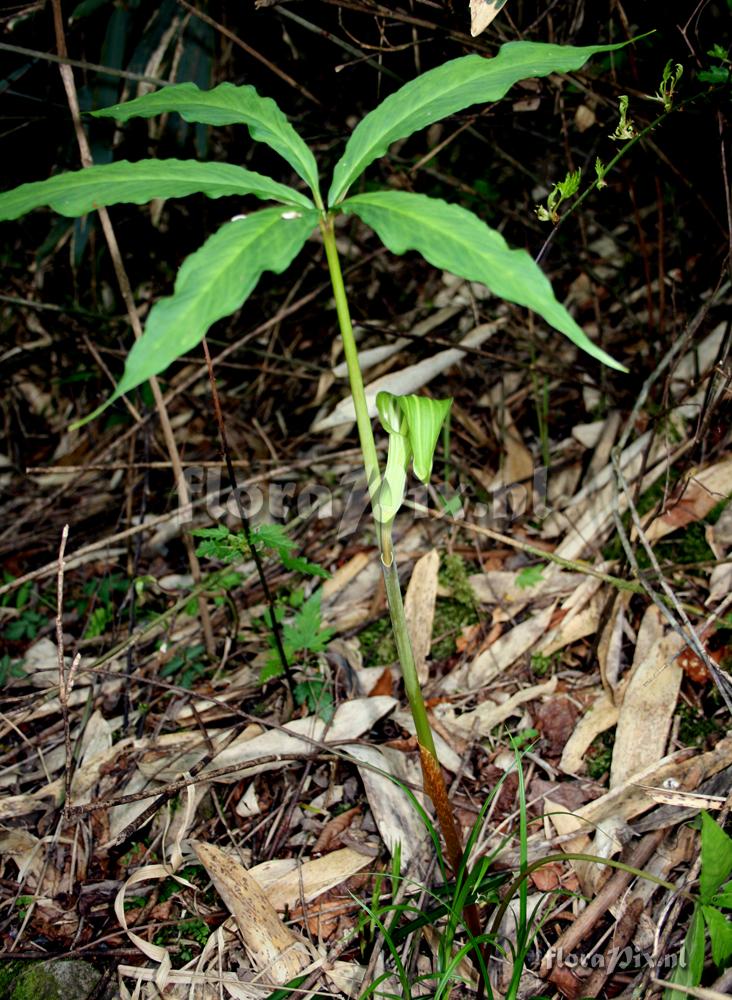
562	191
101	593
9	669
187	666
669	82
228	546
542	665
28	622
185	933
599	755
304	638
721	72
217	279
530	576
625	129
22	903
600	171
708	919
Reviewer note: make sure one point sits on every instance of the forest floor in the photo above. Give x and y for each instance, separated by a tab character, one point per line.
180	819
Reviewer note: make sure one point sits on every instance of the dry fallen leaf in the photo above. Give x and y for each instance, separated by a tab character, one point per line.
274	949
419	608
482	12
647	710
702	493
500	655
289	882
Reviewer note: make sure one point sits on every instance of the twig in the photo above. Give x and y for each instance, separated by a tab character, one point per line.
126	290
688	633
123	74
233	37
65	680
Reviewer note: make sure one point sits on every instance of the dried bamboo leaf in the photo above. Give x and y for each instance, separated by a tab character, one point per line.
274	949
419	608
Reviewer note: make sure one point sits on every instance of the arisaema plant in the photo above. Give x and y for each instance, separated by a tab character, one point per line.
217	279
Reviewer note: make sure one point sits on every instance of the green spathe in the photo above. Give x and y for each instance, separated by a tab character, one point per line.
413	424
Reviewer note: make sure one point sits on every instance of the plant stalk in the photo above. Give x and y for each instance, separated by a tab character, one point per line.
363	420
433	779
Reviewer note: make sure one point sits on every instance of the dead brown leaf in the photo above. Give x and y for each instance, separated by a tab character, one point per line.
330	834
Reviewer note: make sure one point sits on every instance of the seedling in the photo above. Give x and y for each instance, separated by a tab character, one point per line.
218	278
669	82
625	129
562	191
719	73
303	634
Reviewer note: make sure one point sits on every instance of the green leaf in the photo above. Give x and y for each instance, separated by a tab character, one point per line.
211	283
720	934
82	191
443	91
456	240
316	694
689	970
298	564
220	543
305	632
723	899
530	576
273	536
425	418
226	105
716	858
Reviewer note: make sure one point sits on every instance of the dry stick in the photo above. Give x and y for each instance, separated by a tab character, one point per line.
82	64
124	285
274	624
65	680
688	633
227	33
609	894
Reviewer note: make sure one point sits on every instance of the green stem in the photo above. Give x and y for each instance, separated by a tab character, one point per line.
363	420
412	687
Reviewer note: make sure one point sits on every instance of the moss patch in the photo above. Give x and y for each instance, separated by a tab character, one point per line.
683	547
599	756
67	980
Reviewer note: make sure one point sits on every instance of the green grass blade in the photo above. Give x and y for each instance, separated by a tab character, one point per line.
454	239
213	282
226	105
82	191
443	91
